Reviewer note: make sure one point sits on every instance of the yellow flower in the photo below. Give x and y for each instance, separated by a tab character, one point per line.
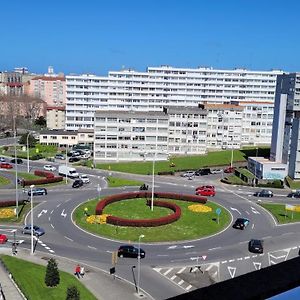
6	213
200	208
97	219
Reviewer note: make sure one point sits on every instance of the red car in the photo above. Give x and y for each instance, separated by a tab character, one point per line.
6	166
3	238
206	192
203	187
229	170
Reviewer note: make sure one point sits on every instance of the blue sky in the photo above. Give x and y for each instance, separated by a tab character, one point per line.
97	36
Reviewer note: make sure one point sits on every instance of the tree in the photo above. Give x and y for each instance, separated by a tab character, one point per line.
52	274
31	140
73	293
41	121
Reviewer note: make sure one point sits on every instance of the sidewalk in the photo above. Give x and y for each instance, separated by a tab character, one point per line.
100	283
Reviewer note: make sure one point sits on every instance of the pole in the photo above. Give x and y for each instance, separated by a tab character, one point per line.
16	166
231	153
31	206
27	152
152	192
66	163
139	264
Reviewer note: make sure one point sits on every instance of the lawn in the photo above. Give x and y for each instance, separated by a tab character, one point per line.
4	181
281	215
191	225
235	179
30	279
23	210
219	158
117	182
293	184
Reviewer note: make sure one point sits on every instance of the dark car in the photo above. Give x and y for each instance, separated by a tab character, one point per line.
130	251
74	159
77	183
264	193
37	231
294	194
37	191
256	246
205	171
16	160
241	223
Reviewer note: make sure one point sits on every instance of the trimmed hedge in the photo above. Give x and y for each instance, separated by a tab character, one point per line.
147	222
44	174
6	203
42	181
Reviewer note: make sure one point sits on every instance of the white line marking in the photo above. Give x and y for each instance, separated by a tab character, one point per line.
294	248
42	244
68	239
92	247
188	287
157	269
214	248
58	205
51	251
252	226
231	271
231	260
181	270
240	258
246	257
224	262
48	248
173	277
253	256
247	212
180	282
168	271
51	211
52	226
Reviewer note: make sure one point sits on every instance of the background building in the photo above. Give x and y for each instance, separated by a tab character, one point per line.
55	117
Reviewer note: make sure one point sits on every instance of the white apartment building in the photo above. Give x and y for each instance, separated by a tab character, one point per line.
162	86
55	117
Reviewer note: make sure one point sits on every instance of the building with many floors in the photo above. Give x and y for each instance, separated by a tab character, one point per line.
55	117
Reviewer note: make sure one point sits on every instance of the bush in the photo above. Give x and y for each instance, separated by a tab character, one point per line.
73	293
52	274
42	181
272	184
7	203
43	174
166	173
36	156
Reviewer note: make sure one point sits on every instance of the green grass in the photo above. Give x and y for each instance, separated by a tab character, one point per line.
117	182
30	279
26	176
4	181
235	180
219	158
191	225
293	184
281	215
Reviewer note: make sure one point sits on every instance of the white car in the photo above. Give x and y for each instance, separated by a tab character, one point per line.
188	174
2	159
49	168
216	171
84	178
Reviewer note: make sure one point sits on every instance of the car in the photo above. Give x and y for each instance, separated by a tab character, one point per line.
37	191
229	170
294	194
77	183
6	165
3	239
204	171
241	223
206	192
49	168
130	251
37	231
59	156
256	246
16	160
203	187
264	193
74	159
188	174
216	171
84	178
2	159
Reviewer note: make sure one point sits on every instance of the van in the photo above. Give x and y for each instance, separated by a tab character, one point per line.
204	171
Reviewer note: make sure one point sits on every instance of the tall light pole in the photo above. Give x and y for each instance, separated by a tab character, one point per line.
256	163
231	161
66	162
31	219
152	191
139	264
16	166
27	145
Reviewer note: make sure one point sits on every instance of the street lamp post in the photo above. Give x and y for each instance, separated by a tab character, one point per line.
66	162
139	264
152	191
231	161
27	145
16	166
31	226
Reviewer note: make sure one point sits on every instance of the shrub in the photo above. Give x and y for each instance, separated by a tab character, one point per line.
73	293
52	274
42	181
43	174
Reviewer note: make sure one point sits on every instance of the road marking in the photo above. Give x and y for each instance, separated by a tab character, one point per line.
173	277
180	282
255	211
181	270
51	211
52	226
231	260
294	248
44	211
94	248
240	258
188	287
172	247
247	212
231	271
224	262
244	242
257	265
63	213
58	205
214	248
188	247
235	209
253	256
168	271
51	251
252	226
246	257
68	239
157	269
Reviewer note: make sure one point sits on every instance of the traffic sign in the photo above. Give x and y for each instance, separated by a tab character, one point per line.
218	211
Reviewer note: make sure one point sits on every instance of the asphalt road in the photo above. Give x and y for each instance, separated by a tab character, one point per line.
169	268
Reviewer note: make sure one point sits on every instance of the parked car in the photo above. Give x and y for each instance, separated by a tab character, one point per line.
188	174
77	183
229	170
37	192
204	171
84	178
203	187
37	231
264	193
74	159
5	165
216	171
294	194
3	239
241	223
256	246
130	251
49	168
206	192
59	156
2	159
16	160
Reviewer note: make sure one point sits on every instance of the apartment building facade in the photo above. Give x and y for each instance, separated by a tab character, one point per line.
55	117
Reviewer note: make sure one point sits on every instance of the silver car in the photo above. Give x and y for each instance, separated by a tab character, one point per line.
37	231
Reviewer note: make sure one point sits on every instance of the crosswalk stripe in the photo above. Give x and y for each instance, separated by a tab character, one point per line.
168	271
181	270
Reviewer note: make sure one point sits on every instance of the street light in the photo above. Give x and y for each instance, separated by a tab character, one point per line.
66	163
231	152
152	190
139	263
31	206
16	166
27	145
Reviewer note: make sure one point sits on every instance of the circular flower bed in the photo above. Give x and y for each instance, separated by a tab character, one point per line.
200	208
97	219
6	213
